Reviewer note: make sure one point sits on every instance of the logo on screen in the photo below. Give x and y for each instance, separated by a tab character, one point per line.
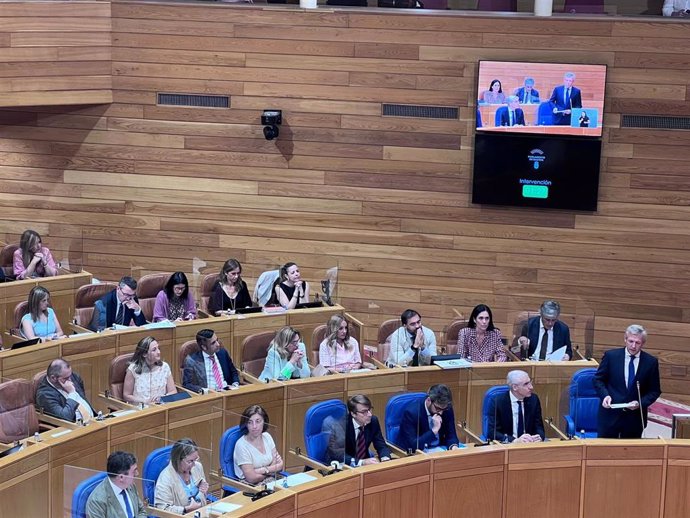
536	156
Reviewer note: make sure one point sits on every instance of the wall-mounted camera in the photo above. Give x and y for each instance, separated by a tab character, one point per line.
271	119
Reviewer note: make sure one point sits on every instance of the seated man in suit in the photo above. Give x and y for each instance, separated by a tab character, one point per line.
564	98
430	422
412	343
511	115
116	496
210	368
351	436
120	306
527	94
545	334
516	415
629	376
61	393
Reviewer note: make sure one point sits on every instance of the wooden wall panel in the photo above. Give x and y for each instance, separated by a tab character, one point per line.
61	41
142	187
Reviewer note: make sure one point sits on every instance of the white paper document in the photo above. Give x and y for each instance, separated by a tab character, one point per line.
163	324
223	507
460	363
292	480
619	405
557	355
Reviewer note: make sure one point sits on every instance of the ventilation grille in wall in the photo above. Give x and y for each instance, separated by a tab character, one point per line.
194	101
655	122
423	112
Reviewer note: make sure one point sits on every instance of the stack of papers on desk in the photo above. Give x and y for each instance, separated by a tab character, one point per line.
460	363
222	508
292	480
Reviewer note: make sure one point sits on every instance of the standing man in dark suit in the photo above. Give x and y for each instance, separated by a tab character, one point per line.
515	415
116	496
545	334
627	376
527	94
120	306
511	115
61	393
430	422
210	368
351	437
564	98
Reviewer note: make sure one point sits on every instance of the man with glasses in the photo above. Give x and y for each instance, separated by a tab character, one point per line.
210	368
350	438
61	393
429	423
543	335
515	415
120	306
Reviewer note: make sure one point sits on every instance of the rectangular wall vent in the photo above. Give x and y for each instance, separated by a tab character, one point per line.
194	100
422	112
655	122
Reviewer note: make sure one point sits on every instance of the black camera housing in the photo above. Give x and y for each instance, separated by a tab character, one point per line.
270	120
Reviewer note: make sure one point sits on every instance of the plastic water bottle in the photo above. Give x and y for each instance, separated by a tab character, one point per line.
37	437
352	462
99	417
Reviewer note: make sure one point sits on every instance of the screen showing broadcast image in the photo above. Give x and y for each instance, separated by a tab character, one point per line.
544	98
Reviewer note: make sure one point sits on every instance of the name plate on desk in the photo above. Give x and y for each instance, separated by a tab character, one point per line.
222	508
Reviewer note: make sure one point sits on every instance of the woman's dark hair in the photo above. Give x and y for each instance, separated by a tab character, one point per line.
36	295
229	266
26	243
142	350
284	269
472	322
175	279
247	415
500	87
181	449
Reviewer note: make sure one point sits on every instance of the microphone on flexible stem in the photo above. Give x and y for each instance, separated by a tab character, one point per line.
639	400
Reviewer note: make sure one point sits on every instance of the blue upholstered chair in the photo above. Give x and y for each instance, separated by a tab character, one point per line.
394	411
316	440
82	492
153	465
487	403
583	405
545	114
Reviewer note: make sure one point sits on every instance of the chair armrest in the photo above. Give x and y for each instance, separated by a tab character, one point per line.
354	320
202	314
251	379
576	348
56	422
308	461
397	451
378	363
569	425
469	433
549	423
511	355
152	511
231	482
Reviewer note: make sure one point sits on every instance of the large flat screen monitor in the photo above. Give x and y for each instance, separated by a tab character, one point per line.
543	98
536	171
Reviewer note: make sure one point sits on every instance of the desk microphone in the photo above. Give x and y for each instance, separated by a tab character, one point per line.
639	400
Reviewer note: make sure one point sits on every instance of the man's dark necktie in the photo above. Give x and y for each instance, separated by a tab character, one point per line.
521	421
631	372
361	445
544	345
119	318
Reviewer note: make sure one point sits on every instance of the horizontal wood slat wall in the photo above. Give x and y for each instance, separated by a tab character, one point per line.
55	53
387	199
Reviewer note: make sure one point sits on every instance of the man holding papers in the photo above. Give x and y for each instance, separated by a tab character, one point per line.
627	382
545	335
516	415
